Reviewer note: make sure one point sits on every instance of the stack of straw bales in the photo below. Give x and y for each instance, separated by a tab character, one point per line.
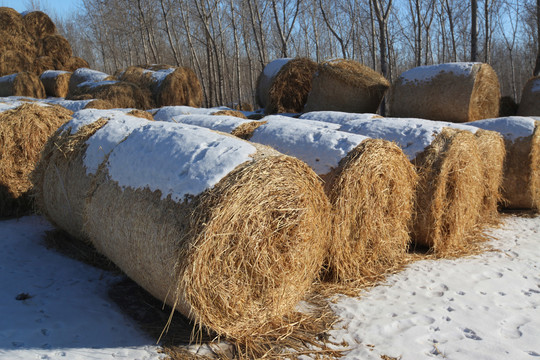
23	134
370	184
31	43
22	84
530	98
454	196
56	82
346	85
455	92
168	85
521	185
233	243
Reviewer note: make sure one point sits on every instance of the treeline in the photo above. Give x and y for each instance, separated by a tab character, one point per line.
228	42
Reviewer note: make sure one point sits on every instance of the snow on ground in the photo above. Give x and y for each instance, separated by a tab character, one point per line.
482	307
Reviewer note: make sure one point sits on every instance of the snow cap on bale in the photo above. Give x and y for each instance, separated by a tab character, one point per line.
120	94
56	82
455	92
85	75
22	84
521	184
234	113
38	24
290	87
266	78
530	98
23	134
346	85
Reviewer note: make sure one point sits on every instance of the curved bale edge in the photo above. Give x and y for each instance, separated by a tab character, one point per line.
22	84
55	83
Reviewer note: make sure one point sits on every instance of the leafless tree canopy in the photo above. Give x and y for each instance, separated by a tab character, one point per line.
228	42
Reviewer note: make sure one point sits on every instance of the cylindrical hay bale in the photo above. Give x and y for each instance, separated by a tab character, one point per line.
44	63
22	84
346	85
233	242
56	82
11	21
38	24
23	134
290	86
85	75
99	104
74	63
120	94
55	46
12	62
455	92
265	79
530	98
370	184
521	182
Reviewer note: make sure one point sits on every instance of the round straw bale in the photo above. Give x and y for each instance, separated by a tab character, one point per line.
23	134
346	85
99	104
451	192
455	92
234	113
55	46
290	87
44	63
38	24
11	21
530	98
22	84
265	79
181	87
120	94
74	63
55	82
12	62
83	75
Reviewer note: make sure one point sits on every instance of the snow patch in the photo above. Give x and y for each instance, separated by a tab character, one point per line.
428	72
167	113
511	127
272	68
221	123
52	74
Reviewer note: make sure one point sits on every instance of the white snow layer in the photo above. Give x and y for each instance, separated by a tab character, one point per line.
73	105
511	127
337	117
13	102
90	75
160	75
167	113
317	144
428	72
94	84
52	73
272	68
221	123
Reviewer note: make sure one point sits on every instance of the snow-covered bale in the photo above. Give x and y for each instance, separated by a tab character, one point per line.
265	79
230	234
169	86
56	82
370	184
530	98
234	113
455	92
290	87
120	94
337	117
346	85
23	134
86	76
22	84
521	184
38	24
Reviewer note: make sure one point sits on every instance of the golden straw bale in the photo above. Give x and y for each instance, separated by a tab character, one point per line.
120	94
141	114
44	63
265	79
234	113
11	21
181	87
450	192
56	83
98	104
22	84
12	62
455	92
85	75
530	98
346	85
38	24
55	46
291	86
74	63
23	134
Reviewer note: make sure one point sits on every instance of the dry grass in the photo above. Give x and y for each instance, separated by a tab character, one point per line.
38	24
22	84
182	87
450	193
372	195
290	87
98	104
346	85
141	114
11	21
485	97
245	131
23	134
234	113
13	61
57	85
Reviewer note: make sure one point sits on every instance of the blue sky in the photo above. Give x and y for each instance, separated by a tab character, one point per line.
58	7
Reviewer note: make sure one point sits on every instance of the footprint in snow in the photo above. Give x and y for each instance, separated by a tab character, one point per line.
470	334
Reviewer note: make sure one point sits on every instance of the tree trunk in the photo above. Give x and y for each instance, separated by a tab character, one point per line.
537	67
474	30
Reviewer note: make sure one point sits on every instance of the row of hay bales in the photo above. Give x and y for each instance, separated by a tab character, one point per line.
455	92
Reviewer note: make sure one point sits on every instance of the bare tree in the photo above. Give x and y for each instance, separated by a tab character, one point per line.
536	71
474	30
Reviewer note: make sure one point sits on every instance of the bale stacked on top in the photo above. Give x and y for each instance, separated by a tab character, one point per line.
233	242
265	79
56	82
23	134
530	98
455	92
346	85
451	194
22	84
521	185
168	86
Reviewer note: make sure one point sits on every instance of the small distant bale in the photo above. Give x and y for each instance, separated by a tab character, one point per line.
507	107
530	98
291	86
346	85
38	24
74	63
98	104
56	82
234	113
23	134
12	62
22	84
455	92
55	46
44	63
265	80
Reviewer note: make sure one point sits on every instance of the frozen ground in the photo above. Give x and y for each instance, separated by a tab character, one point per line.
483	307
